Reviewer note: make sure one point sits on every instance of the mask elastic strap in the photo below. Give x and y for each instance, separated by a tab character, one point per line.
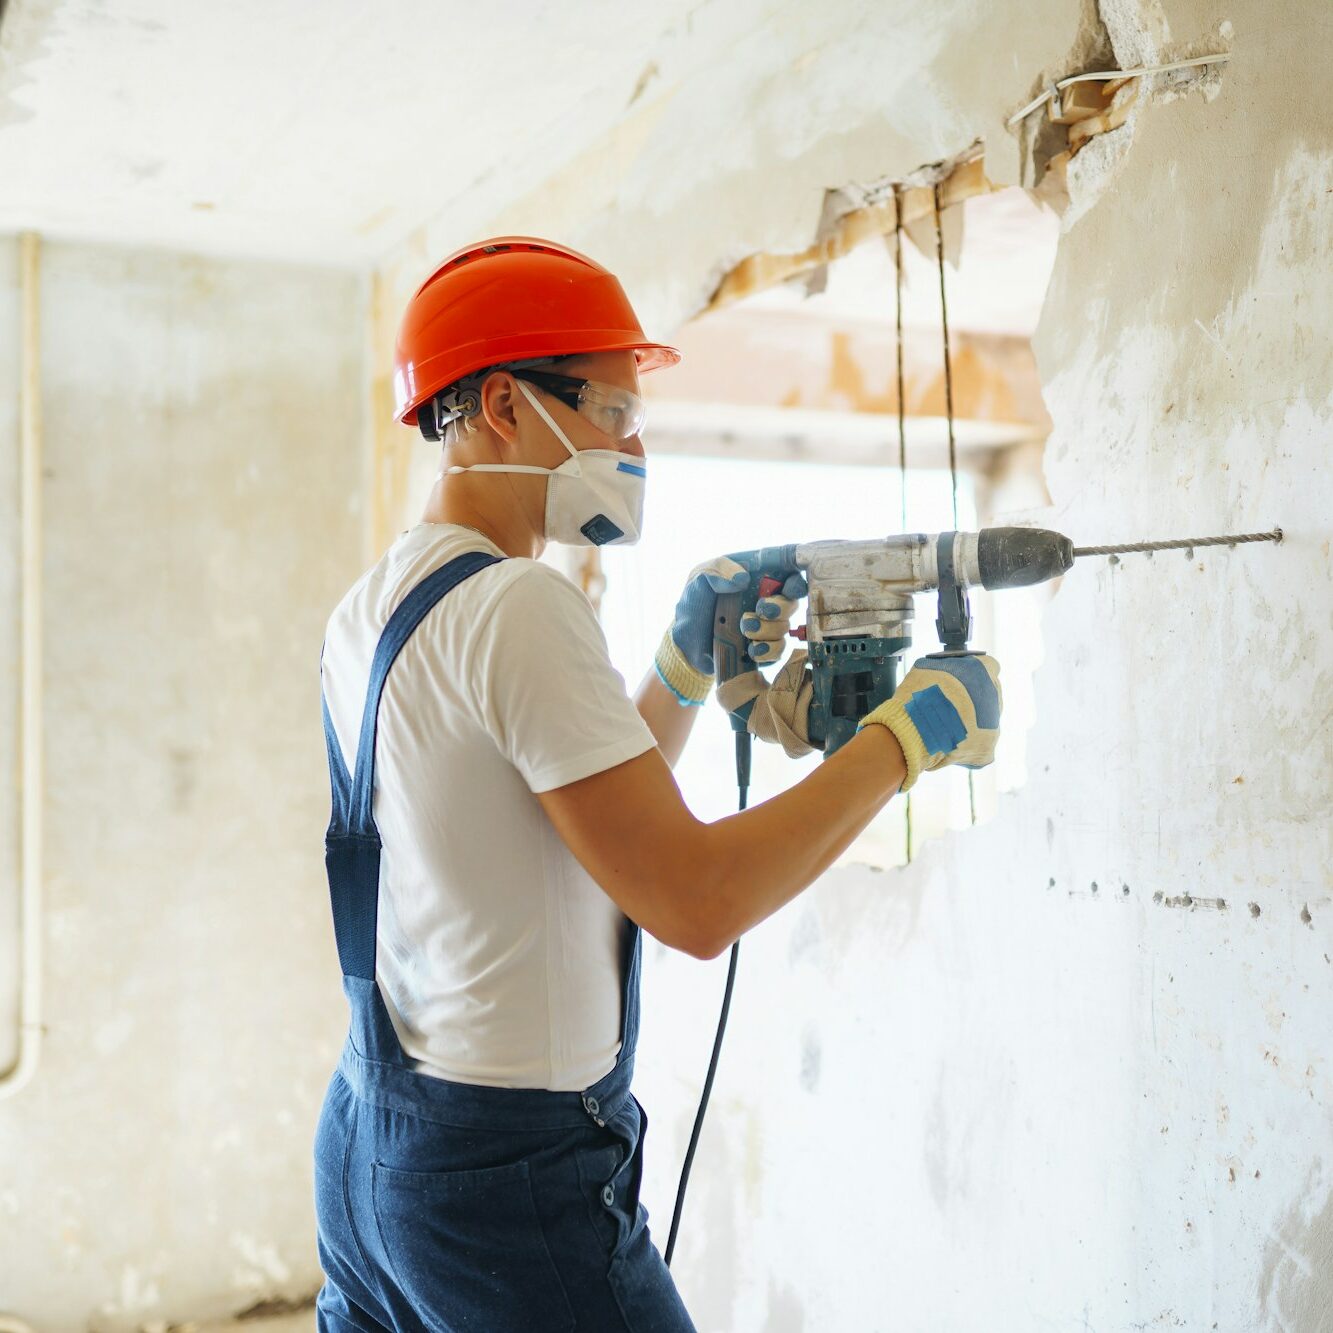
495	467
550	421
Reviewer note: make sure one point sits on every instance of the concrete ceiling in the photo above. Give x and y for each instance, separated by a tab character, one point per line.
293	129
332	131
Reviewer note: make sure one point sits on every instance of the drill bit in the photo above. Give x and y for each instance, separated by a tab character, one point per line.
1183	544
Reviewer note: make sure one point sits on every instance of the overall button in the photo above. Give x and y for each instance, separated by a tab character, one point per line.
591	1105
608	1196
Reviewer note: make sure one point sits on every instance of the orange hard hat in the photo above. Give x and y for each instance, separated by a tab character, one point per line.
513	298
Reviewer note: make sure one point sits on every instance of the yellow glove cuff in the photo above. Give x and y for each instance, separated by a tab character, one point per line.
688	685
893	715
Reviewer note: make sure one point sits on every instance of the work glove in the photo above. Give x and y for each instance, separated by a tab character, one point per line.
684	659
781	711
946	710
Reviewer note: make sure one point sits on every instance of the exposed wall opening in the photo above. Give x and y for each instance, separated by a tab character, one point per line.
781	425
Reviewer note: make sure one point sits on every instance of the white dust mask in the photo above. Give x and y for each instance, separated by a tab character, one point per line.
594	498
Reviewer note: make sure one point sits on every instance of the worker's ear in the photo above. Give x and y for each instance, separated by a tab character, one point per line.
498	397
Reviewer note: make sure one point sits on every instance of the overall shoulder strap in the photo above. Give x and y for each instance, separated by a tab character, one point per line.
352	844
353	798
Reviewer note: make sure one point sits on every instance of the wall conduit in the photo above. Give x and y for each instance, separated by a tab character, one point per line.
32	783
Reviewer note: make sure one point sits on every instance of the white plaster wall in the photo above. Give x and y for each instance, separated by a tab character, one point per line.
203	507
1020	1085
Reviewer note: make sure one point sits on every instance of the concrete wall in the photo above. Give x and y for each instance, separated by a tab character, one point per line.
1044	1078
203	486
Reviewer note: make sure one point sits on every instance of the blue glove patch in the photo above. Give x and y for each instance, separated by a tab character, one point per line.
976	680
736	583
936	719
692	628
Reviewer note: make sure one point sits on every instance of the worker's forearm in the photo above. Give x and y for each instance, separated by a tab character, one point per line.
756	861
668	720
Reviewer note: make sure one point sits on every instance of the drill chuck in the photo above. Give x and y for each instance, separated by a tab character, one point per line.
1020	557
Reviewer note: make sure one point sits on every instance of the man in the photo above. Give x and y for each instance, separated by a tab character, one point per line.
505	821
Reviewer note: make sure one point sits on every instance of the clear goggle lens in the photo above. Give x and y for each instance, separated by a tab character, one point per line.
617	412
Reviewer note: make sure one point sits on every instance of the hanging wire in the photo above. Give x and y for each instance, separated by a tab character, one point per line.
1052	94
948	410
948	358
902	428
898	294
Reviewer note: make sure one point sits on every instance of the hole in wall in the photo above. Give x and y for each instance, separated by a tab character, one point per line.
780	425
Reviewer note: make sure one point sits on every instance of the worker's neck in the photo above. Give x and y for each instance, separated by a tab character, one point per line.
499	518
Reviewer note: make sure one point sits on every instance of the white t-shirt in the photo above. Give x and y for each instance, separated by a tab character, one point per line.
498	955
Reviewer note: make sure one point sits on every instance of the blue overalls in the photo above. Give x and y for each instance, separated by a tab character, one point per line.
445	1206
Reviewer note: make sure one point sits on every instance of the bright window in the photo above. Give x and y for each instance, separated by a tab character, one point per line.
698	507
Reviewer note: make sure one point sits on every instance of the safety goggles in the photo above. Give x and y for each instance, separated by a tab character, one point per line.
613	410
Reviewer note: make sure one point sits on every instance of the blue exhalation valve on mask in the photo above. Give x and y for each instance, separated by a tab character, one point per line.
600	531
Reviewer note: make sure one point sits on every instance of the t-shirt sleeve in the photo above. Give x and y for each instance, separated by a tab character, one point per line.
545	688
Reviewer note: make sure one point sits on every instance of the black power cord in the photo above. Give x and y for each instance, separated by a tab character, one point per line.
743	791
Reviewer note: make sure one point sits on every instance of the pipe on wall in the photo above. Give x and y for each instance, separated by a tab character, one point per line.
32	782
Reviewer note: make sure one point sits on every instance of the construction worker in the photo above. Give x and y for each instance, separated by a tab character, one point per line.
505	823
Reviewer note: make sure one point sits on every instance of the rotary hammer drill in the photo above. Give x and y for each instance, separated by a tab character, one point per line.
860	608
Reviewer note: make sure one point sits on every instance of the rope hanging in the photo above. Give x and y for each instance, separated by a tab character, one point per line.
948	411
902	430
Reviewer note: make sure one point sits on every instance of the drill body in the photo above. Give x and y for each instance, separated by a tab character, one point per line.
859	624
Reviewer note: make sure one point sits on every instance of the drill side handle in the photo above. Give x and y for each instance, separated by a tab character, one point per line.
953	624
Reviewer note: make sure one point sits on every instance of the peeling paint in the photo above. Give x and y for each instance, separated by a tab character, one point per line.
1296	1282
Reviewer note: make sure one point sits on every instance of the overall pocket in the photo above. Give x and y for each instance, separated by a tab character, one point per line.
466	1249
